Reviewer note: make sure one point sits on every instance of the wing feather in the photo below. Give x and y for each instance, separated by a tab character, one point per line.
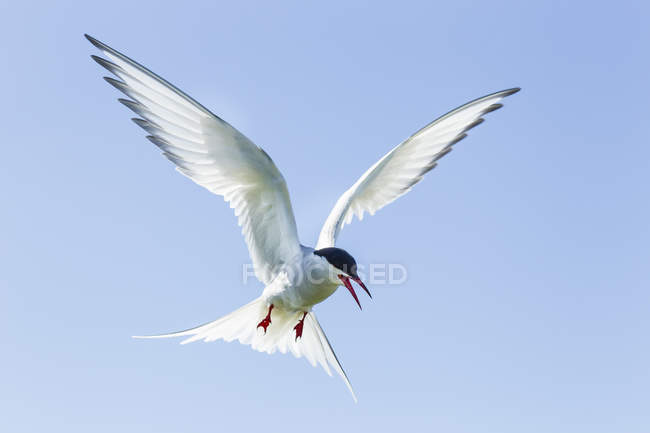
213	154
400	169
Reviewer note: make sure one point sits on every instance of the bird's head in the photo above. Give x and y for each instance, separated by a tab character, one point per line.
345	268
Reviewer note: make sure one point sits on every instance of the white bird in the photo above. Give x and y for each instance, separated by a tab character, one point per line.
221	159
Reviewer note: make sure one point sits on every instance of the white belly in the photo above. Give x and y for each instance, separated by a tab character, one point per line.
308	283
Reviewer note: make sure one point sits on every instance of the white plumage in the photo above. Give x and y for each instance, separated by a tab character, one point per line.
400	169
216	156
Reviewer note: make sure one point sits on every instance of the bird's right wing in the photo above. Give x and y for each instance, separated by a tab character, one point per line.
400	169
214	155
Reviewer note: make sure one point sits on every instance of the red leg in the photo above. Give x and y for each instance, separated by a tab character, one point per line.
298	327
266	321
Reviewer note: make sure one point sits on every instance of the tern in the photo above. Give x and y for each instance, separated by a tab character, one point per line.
296	277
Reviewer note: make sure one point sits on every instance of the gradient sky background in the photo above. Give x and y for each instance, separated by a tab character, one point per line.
528	249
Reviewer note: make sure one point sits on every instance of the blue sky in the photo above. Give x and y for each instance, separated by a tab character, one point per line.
527	249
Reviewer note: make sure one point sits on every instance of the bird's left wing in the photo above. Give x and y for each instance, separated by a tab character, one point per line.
214	155
400	169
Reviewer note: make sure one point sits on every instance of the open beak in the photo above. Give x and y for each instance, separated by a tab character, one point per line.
348	285
363	286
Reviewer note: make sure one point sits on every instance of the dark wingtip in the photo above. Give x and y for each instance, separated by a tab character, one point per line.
457	139
473	124
93	41
140	122
443	152
492	108
115	83
131	105
110	66
511	91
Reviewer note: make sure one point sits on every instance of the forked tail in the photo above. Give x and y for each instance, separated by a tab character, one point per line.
241	325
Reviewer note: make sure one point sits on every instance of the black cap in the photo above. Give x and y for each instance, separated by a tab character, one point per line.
340	259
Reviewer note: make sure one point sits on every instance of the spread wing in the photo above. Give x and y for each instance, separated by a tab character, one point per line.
400	169
214	155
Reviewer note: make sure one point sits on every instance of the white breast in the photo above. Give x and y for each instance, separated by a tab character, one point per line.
306	283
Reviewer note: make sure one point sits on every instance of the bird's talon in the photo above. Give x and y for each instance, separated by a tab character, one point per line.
266	321
299	325
264	324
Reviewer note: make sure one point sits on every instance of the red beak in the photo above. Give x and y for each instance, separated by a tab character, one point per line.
363	286
348	285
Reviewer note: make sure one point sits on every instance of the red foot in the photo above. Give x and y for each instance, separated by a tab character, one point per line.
298	327
266	321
